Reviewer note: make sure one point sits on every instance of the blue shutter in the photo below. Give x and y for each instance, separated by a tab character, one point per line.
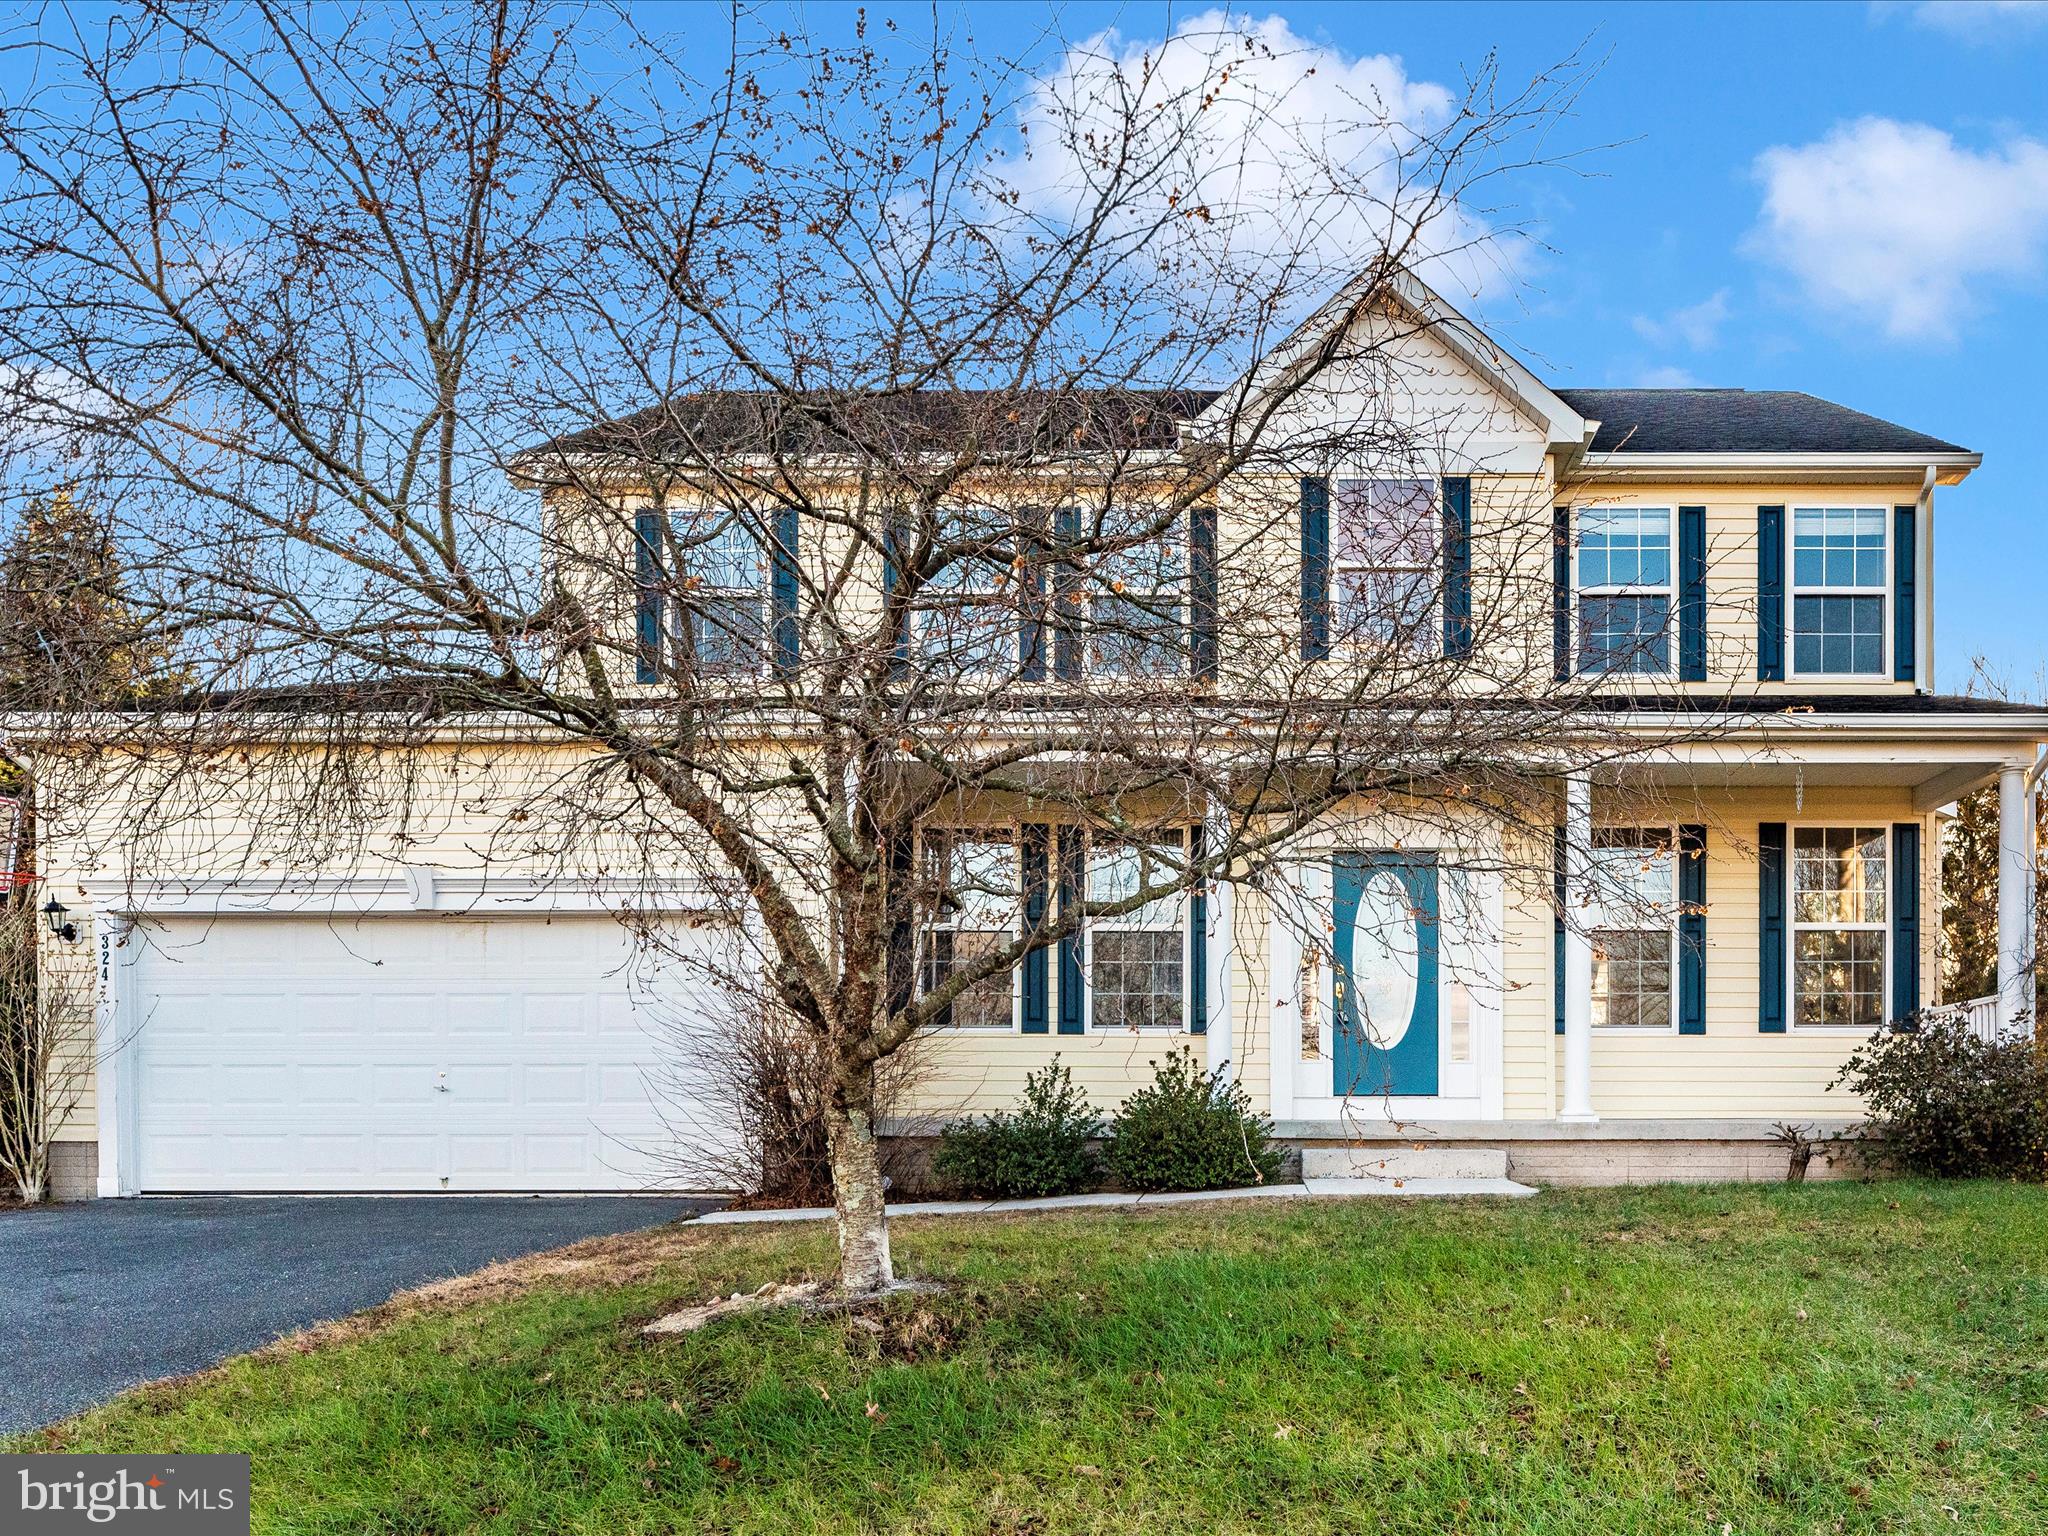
1904	618
1905	921
1557	846
647	597
1561	611
1031	632
1770	599
1457	494
1066	589
1072	989
1202	604
1315	567
1198	944
1692	594
1692	930
1770	937
899	659
1037	844
782	591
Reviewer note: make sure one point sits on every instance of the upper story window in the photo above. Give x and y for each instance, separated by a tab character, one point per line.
1137	961
1839	933
1385	565
966	618
1839	591
1137	609
723	592
1625	596
1635	938
979	912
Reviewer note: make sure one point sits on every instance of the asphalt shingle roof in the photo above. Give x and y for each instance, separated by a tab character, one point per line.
1738	421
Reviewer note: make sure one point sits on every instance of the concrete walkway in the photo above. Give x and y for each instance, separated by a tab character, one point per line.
1308	1189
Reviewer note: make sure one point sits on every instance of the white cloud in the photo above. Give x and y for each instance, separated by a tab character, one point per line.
1290	148
1697	326
1981	20
1897	225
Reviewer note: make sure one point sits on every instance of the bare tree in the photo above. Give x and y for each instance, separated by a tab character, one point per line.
46	1055
806	465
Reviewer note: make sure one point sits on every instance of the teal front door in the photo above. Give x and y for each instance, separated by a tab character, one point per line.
1384	923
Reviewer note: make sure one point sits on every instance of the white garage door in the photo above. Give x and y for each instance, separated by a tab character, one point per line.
419	1053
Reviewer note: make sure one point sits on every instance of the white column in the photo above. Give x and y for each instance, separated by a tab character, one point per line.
2015	901
1577	1108
1222	927
1283	986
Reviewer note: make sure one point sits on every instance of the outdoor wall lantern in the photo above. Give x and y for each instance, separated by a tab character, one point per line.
53	913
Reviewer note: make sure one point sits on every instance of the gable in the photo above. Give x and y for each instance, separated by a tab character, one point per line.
1416	380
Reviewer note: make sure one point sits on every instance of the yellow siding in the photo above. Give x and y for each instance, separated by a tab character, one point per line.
1734	1071
1732	567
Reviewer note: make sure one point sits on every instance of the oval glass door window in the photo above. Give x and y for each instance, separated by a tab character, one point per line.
1385	949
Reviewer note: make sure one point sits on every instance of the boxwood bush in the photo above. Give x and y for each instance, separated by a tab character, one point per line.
1942	1103
1046	1148
1190	1129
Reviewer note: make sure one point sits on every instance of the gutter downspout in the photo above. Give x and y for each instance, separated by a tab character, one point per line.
1923	581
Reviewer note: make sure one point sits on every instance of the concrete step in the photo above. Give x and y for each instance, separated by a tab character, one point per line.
1418	1189
1400	1160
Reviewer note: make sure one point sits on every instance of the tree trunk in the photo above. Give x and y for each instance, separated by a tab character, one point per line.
864	1266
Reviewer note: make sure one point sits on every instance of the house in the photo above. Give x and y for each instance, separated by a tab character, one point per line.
1728	909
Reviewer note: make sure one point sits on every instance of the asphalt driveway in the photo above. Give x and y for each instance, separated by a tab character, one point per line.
100	1295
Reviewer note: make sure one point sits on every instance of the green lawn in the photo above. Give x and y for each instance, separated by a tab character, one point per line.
1827	1358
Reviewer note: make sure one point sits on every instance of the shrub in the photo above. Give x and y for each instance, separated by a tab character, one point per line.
1190	1130
1043	1149
1943	1103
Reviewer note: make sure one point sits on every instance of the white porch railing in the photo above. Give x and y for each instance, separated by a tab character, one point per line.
1980	1014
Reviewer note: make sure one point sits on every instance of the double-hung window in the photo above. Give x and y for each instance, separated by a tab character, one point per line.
1386	563
966	618
724	596
1838	926
1137	608
1838	591
1635	937
1625	598
978	912
1137	960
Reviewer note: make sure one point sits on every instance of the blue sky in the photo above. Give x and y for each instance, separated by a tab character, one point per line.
1849	200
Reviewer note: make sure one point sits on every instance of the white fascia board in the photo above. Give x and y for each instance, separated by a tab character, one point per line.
2008	728
1949	468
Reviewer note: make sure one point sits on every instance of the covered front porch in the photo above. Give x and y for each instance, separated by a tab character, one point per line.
1803	855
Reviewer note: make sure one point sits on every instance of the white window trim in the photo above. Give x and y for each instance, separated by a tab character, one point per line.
983	585
1125	924
1344	634
1793	928
1668	591
1677	907
1794	591
680	616
1013	835
1095	588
